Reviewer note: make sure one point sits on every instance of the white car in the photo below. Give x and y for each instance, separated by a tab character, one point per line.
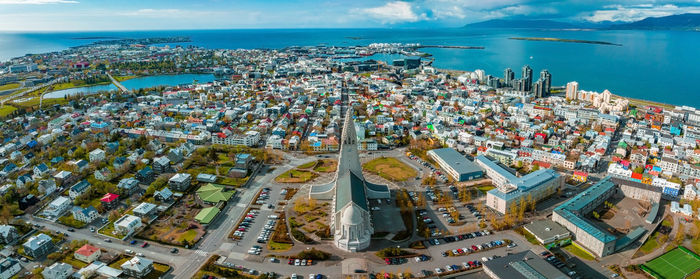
294	276
311	276
438	270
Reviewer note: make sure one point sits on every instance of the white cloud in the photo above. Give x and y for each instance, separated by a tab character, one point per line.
637	12
36	2
393	12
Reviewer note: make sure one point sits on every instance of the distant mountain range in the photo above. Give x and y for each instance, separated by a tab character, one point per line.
688	21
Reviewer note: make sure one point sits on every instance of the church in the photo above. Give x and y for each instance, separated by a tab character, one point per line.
351	221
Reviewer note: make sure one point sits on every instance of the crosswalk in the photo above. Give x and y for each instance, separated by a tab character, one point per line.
201	253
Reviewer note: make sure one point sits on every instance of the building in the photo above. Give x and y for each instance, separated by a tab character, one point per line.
110	201
455	165
85	215
58	270
144	209
137	267
97	155
9	267
57	207
523	265
38	246
512	190
78	189
206	215
8	234
161	165
250	138
350	219
87	253
127	186
549	233
572	90
571	214
214	193
180	181
127	224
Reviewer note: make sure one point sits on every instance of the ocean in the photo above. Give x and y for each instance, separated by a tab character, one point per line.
654	65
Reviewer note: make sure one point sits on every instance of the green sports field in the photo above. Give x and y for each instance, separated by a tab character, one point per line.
675	264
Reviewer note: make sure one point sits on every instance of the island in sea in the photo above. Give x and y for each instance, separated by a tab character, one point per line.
563	40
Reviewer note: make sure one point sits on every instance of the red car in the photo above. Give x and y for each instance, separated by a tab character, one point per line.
475	248
387	261
290	262
145	243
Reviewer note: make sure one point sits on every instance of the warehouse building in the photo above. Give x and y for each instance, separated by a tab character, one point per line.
549	233
511	190
455	165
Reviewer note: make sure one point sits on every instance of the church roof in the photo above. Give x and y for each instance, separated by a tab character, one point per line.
350	188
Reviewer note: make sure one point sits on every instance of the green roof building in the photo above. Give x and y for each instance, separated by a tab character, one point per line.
205	216
214	193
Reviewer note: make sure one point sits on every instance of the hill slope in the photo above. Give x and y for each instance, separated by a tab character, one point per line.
680	22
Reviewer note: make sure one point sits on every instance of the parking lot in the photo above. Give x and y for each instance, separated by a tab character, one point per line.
257	223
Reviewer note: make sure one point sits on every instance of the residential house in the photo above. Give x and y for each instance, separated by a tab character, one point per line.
57	207
110	201
46	186
163	195
38	246
85	215
9	267
58	270
81	165
87	253
40	170
8	234
119	162
137	267
175	155
180	181
97	155
145	175
64	178
206	178
23	180
127	224
78	189
161	165
103	174
144	209
127	186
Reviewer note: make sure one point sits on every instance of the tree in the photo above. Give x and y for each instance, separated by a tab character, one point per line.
680	234
521	209
531	202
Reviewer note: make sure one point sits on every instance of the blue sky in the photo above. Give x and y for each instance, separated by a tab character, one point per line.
56	15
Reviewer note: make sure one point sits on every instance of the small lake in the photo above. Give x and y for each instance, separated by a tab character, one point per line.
135	83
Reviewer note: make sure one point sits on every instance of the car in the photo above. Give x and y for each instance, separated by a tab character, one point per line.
108	240
296	262
290	262
312	276
438	270
71	229
139	254
512	244
318	276
174	250
132	242
145	243
466	265
294	276
448	268
418	259
92	229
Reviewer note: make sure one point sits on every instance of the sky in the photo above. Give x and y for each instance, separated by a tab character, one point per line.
88	15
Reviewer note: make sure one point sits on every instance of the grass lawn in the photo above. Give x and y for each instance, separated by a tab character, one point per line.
158	271
651	244
9	86
307	165
578	252
296	176
188	235
233	181
123	78
68	220
109	230
390	169
485	188
668	222
276	246
6	110
326	165
117	264
73	262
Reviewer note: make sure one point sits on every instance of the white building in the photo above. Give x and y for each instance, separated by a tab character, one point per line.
97	155
127	224
57	207
250	138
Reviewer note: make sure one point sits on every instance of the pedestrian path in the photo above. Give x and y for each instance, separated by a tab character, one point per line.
201	253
